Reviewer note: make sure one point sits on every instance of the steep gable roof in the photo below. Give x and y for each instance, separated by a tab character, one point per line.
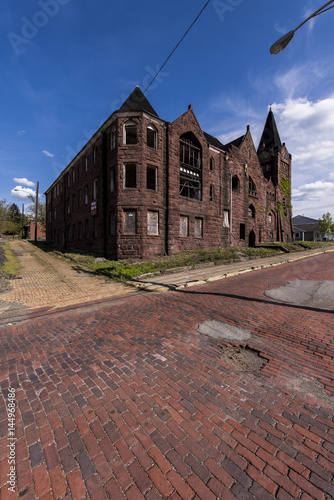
270	136
237	142
138	102
213	141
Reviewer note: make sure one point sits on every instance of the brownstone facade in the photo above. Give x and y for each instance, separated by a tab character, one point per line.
143	187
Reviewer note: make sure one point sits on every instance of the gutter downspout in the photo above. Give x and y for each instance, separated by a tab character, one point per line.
167	193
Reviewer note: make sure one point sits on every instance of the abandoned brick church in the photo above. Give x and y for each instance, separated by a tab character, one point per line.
142	186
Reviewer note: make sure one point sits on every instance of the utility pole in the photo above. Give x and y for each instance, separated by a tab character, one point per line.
22	218
36	214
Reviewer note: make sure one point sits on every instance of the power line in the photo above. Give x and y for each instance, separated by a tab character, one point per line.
176	46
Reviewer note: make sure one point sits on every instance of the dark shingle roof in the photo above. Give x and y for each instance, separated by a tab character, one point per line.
137	102
300	219
270	136
213	141
237	143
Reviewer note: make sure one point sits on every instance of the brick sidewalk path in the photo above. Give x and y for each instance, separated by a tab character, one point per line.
127	400
48	281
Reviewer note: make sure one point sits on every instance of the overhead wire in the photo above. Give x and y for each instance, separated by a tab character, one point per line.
176	46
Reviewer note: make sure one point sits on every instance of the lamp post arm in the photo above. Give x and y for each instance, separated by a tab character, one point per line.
316	13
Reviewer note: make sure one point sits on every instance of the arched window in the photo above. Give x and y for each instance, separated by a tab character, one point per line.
251	211
190	167
251	187
235	184
130	133
212	163
151	137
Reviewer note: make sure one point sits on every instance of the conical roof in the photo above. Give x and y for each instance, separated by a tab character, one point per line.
137	102
270	136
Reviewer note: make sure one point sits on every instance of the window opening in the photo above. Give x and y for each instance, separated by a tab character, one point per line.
151	178
151	137
251	187
130	133
190	167
235	184
251	211
130	171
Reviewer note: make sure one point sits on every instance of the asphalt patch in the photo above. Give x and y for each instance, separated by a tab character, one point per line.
319	294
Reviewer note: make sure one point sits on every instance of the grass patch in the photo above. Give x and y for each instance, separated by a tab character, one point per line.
11	265
128	269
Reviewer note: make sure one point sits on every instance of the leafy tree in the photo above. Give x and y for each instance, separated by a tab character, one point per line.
326	225
3	216
13	222
41	216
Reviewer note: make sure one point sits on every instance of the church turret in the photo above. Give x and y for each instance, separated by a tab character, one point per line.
276	165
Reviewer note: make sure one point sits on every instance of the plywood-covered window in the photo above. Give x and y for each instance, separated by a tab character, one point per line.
184	225
130	221
198	227
226	222
152	222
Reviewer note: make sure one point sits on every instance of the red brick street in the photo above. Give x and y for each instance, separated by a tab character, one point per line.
126	399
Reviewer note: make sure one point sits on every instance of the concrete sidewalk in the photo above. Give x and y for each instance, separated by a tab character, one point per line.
210	272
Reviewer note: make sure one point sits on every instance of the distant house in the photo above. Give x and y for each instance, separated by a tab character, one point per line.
29	231
307	229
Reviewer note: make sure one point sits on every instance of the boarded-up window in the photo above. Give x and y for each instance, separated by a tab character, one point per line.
226	222
184	225
112	223
152	222
130	221
198	227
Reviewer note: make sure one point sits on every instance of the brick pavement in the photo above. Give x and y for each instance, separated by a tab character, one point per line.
127	400
47	282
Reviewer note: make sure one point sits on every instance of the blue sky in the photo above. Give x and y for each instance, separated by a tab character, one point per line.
68	64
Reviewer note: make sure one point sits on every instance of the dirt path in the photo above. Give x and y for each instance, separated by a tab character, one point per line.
48	281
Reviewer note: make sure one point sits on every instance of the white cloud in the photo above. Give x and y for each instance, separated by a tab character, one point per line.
24	181
47	153
308	129
22	192
21	132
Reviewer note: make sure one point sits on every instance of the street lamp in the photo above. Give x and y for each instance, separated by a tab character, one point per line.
283	42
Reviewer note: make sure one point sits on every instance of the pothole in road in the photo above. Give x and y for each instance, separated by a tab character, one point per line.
241	357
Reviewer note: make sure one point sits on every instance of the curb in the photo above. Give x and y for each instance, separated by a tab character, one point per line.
150	287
